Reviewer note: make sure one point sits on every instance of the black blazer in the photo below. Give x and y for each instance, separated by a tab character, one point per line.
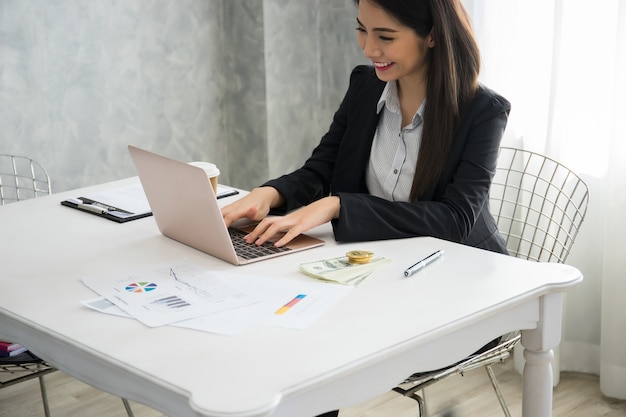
455	208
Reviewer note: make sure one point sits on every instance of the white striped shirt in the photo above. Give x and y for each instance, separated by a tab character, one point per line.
394	151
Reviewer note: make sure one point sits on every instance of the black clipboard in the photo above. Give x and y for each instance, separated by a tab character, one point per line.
115	214
119	215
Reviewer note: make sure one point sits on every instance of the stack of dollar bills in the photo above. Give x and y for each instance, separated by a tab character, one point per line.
341	271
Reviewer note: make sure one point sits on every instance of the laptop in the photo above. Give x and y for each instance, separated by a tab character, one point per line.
185	209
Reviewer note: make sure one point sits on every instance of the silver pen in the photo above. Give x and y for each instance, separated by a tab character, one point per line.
93	208
423	263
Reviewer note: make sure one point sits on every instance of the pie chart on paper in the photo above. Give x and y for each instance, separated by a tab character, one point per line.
143	286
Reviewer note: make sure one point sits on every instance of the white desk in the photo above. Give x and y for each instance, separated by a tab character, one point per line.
381	332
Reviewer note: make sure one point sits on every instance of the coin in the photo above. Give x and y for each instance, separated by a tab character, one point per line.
359	256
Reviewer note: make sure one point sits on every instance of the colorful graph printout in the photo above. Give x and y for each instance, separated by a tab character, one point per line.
171	302
154	297
141	287
290	304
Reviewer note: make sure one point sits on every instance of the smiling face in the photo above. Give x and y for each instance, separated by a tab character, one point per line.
396	51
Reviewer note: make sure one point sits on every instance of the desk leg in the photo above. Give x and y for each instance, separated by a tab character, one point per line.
538	344
537	399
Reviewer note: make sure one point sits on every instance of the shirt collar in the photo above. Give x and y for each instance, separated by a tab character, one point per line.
389	98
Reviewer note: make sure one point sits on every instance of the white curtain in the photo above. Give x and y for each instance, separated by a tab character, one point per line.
562	64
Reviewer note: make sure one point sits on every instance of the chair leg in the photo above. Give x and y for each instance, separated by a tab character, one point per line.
129	410
421	402
496	388
44	397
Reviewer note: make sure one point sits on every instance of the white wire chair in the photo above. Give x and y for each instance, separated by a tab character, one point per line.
22	178
25	367
539	206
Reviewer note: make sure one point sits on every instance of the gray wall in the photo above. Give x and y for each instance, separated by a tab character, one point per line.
248	84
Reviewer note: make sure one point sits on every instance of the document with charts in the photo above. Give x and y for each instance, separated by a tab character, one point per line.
274	301
169	293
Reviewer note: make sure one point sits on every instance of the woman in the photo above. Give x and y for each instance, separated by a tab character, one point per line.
412	149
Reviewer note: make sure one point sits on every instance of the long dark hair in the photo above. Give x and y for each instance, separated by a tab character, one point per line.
452	77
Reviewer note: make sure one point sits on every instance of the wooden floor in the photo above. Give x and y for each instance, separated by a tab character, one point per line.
578	395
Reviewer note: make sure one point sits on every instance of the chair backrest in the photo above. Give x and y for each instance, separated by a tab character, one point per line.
538	204
22	178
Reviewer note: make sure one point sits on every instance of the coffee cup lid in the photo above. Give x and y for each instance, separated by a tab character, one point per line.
209	168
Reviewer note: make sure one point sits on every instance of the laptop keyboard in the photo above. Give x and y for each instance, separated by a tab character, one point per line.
250	251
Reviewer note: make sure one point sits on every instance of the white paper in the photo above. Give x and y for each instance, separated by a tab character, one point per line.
272	294
154	297
103	305
224	191
131	198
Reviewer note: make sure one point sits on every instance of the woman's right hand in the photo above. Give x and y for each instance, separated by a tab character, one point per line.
254	206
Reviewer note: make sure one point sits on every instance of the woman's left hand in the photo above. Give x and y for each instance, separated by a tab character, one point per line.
296	222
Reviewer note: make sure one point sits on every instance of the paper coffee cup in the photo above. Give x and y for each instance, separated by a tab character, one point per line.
211	171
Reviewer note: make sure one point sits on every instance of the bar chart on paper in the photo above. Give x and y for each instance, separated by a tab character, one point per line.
170	302
290	304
